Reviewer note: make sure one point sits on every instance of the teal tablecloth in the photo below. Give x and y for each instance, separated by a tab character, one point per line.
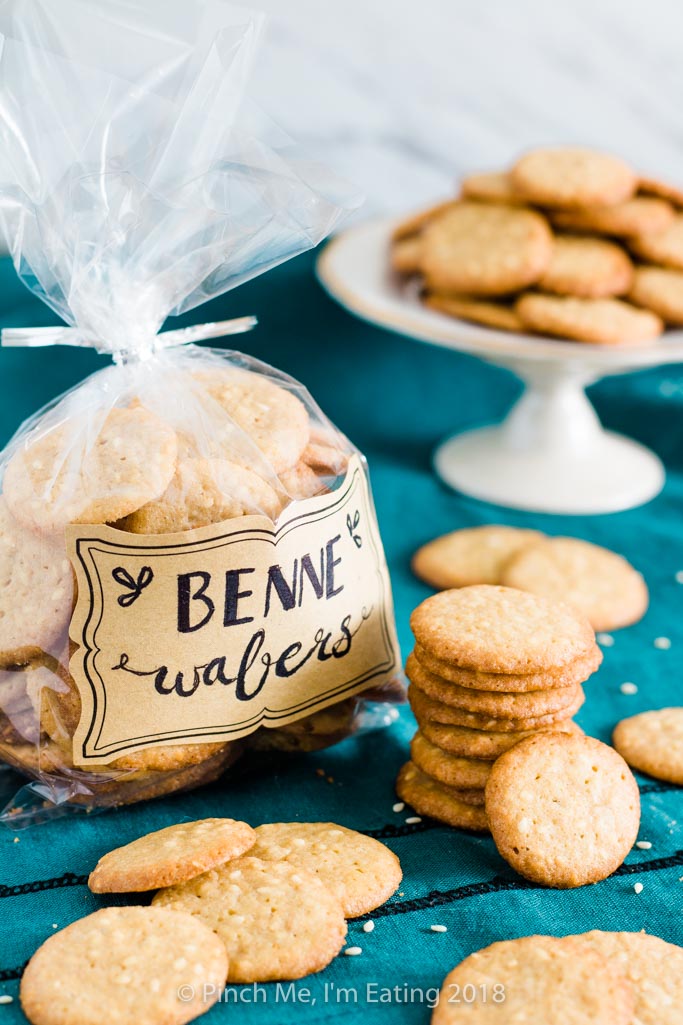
395	399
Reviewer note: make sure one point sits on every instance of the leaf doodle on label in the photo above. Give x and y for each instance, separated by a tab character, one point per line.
133	587
351	526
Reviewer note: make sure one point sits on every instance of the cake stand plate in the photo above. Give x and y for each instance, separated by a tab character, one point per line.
551	453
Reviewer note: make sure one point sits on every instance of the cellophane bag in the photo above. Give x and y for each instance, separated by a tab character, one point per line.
190	558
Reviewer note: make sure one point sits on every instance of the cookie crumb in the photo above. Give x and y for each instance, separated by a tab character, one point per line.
605	640
16	839
628	688
643	845
438	928
399	806
368	926
637	887
663	643
353	951
413	820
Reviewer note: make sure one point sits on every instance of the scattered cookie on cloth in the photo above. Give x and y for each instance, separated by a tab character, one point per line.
277	920
598	582
131	965
536	980
653	967
361	872
172	855
563	810
652	742
474	555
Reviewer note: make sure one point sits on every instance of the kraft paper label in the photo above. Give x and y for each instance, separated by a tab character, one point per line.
206	635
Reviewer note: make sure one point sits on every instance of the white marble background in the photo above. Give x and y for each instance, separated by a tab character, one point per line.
401	96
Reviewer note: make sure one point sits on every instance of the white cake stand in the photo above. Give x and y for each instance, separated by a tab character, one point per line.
551	453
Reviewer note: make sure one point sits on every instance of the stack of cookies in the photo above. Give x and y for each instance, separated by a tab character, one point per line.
492	666
568	242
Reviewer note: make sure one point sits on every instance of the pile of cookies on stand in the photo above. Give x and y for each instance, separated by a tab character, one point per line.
569	242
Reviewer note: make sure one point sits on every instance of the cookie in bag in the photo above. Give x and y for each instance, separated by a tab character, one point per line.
190	547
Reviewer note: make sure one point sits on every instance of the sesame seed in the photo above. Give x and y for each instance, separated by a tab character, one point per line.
606	640
413	820
663	643
679	577
438	928
368	926
643	845
637	887
353	951
628	688
5	998
399	806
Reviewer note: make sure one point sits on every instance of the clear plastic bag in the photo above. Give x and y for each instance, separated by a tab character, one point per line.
135	182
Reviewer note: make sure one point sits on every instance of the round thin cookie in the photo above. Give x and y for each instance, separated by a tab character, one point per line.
277	920
475	555
653	967
665	247
62	477
652	742
600	321
575	672
571	176
587	267
485	250
361	872
491	187
638	216
171	855
564	810
406	254
449	769
502	705
536	980
37	591
659	289
426	708
414	224
665	190
273	418
598	582
469	743
204	491
501	630
132	966
438	802
478	311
